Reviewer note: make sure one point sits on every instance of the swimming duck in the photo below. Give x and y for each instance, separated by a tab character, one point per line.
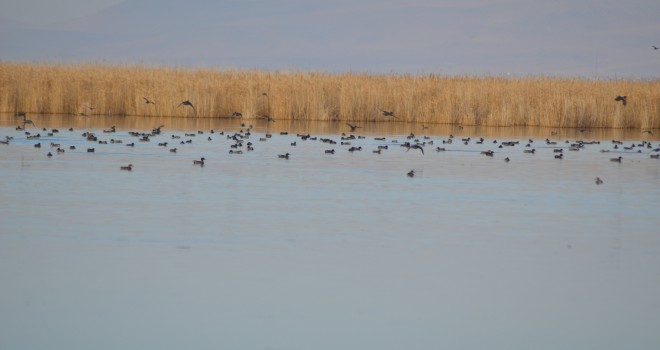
199	162
283	156
598	181
618	160
127	168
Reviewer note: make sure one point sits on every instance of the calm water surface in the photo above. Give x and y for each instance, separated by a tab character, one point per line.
326	251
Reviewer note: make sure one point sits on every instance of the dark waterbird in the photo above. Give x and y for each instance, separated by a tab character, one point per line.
353	127
416	147
187	103
388	113
623	99
148	101
25	120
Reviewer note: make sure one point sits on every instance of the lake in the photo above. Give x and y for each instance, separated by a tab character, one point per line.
326	251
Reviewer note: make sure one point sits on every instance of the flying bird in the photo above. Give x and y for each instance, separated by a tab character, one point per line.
656	48
25	120
187	103
388	113
623	99
148	101
415	147
353	127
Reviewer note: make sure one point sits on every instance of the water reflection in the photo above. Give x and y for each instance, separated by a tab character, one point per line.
331	128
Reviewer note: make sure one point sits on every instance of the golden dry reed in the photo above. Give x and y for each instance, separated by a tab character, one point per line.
468	100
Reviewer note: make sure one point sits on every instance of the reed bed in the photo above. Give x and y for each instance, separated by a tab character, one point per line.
541	101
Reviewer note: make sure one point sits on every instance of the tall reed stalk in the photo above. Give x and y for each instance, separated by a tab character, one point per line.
489	101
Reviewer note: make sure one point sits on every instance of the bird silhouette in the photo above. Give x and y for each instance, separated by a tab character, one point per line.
148	101
237	115
388	113
655	47
353	127
25	120
623	99
187	103
416	146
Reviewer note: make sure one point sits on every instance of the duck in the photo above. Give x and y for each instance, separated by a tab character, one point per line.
623	99
598	181
330	151
618	159
199	162
127	168
411	173
283	156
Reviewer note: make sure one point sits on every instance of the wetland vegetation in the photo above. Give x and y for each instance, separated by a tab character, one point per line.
539	101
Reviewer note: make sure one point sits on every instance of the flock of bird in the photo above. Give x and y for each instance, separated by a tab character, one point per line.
242	141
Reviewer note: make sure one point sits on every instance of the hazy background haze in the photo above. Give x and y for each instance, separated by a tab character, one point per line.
563	37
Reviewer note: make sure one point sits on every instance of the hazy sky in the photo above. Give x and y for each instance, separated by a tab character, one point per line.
605	38
37	12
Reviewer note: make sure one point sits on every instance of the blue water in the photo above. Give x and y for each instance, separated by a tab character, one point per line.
325	251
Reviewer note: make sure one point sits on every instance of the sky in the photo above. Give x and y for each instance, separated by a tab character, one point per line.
587	38
39	12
